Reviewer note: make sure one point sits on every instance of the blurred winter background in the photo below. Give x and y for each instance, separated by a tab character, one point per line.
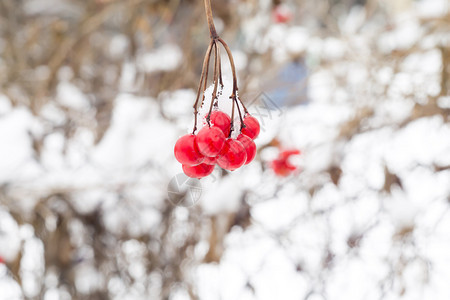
94	94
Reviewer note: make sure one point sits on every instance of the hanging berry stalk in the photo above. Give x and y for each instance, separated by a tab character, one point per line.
213	144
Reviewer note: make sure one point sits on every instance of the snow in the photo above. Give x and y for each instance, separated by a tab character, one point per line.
16	143
299	244
166	58
9	237
5	105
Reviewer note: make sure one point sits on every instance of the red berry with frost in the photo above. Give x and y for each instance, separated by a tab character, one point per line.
232	156
251	128
249	146
186	151
221	120
198	171
210	141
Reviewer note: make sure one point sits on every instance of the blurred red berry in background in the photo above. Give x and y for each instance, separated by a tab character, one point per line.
281	14
287	153
282	166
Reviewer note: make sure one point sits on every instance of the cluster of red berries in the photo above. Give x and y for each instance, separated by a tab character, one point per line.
282	166
213	145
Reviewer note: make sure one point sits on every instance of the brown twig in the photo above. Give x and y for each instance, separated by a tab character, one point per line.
216	80
217	77
220	67
209	18
232	119
205	78
240	114
233	71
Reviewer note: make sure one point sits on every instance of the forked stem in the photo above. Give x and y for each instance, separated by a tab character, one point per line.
215	40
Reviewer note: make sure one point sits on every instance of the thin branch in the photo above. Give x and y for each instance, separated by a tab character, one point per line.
233	70
220	67
205	78
239	111
208	58
209	18
232	119
216	80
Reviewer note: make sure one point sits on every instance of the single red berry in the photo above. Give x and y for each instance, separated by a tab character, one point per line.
210	160
282	167
221	120
249	146
251	128
232	156
281	14
186	151
1	260
210	141
198	171
288	153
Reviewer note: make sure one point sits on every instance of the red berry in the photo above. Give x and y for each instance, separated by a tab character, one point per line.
1	260
249	146
287	153
210	141
221	120
186	151
210	160
251	128
282	168
232	156
198	171
282	14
